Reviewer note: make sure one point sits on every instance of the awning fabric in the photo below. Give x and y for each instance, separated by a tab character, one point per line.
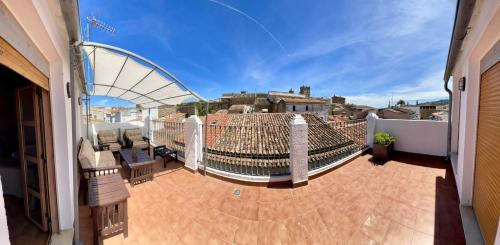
122	74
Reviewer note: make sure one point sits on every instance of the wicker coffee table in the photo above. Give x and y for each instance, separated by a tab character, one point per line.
140	169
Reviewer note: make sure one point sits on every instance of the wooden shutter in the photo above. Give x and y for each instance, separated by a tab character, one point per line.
486	201
14	60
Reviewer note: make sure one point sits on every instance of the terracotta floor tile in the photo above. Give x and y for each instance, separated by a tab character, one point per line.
316	228
247	232
398	234
420	238
294	232
403	214
375	227
269	232
249	210
361	239
426	222
278	210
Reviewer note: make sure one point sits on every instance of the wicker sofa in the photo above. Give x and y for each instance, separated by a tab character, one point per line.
94	163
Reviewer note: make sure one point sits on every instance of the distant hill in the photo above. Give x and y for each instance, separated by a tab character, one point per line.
436	103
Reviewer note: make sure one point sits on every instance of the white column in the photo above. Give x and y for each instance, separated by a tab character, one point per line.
371	125
298	150
193	141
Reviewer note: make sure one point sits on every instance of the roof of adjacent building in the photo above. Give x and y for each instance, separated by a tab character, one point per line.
262	140
300	101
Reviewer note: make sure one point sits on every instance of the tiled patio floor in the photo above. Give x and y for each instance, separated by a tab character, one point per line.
411	200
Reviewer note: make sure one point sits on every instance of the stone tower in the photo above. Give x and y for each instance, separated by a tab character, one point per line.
305	90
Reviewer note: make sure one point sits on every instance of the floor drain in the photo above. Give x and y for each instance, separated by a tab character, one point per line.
237	192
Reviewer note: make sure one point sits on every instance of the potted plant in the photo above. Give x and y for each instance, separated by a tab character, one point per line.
383	145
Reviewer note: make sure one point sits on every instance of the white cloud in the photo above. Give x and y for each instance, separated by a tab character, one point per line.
429	88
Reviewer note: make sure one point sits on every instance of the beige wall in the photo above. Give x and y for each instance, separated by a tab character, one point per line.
482	35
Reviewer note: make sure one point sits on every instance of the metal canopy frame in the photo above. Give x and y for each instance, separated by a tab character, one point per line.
154	68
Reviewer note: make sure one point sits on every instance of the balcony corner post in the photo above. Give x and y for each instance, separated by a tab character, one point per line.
193	142
298	150
371	125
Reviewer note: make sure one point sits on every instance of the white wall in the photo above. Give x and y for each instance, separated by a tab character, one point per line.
481	37
43	24
416	136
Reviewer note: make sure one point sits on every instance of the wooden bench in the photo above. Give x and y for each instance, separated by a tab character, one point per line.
108	202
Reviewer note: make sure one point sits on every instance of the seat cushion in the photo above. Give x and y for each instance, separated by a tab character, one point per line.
105	159
86	155
114	147
140	144
134	134
107	136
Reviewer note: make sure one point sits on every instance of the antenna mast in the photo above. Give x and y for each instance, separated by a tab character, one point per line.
92	21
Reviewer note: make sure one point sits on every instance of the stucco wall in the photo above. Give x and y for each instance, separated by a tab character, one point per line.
42	25
481	37
416	136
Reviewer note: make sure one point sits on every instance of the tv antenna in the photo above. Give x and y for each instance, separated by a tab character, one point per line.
92	21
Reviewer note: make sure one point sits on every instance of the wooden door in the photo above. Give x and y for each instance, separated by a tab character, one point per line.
486	200
32	155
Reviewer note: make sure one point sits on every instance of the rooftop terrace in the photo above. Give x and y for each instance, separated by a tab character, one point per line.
409	200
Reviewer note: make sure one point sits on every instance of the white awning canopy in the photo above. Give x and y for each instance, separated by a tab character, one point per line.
122	74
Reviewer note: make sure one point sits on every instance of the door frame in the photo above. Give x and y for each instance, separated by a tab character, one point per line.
49	158
25	68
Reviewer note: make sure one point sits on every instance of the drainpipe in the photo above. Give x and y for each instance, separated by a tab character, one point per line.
463	14
450	97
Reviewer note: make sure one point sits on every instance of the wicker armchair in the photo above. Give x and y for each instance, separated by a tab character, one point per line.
94	163
133	138
109	140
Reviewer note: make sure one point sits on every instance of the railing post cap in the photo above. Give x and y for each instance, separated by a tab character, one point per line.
371	116
193	118
297	119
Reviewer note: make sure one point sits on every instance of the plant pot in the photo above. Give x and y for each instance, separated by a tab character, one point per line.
382	152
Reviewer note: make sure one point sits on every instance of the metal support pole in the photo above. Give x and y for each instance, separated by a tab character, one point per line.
74	105
205	141
88	113
149	122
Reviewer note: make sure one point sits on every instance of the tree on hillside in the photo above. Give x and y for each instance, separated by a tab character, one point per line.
401	103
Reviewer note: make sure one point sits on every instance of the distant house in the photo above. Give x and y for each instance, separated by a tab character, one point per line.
239	109
296	104
426	110
338	100
358	111
165	110
187	108
397	113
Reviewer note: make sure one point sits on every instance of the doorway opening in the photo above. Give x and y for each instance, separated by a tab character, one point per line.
23	162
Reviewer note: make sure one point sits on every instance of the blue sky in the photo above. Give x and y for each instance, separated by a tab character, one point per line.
365	50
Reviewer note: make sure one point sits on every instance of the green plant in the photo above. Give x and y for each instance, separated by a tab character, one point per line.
384	138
